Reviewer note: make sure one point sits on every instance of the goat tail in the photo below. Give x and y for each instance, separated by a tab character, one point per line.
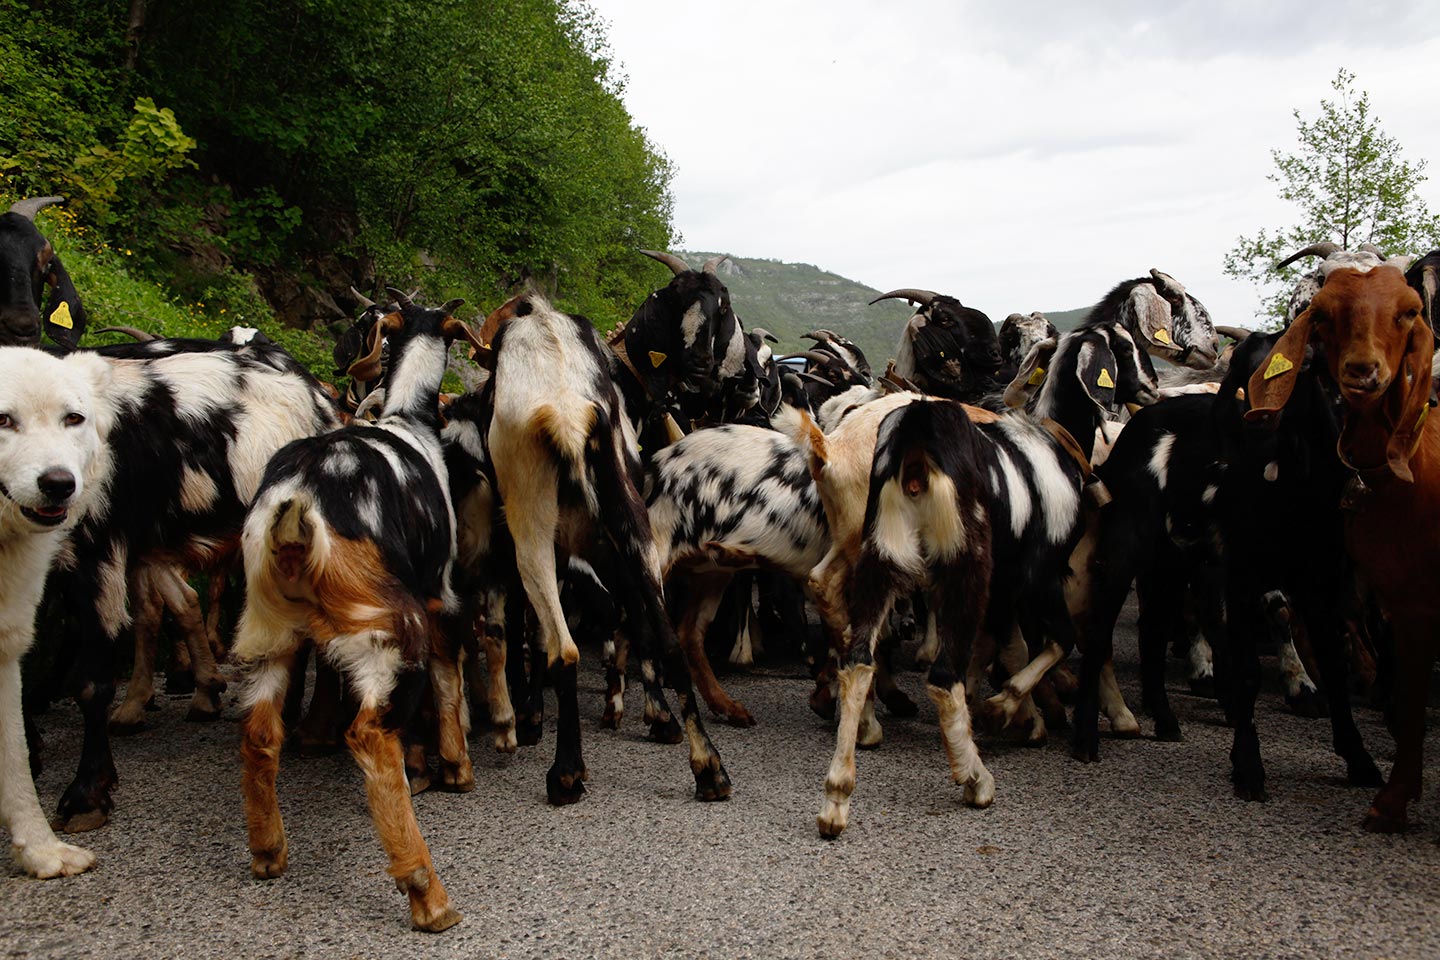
287	547
568	431
913	511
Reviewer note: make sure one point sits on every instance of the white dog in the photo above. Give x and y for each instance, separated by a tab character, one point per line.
53	417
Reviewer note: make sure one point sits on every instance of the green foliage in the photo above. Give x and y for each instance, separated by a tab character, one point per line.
1351	186
151	146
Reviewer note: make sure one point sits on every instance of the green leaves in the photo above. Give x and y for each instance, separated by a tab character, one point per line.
1351	186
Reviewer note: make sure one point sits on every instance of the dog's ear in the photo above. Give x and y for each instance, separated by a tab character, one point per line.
64	313
98	371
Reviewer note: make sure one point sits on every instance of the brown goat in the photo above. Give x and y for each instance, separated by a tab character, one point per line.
1378	349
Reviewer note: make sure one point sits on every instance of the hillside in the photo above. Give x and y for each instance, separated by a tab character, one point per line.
790	298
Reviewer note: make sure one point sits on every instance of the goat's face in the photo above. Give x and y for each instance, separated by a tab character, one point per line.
1019	333
954	346
28	265
1377	348
48	436
1369	323
1171	322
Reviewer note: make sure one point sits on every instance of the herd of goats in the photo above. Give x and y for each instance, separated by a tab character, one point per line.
653	486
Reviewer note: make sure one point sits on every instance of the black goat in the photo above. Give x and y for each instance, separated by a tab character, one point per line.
29	264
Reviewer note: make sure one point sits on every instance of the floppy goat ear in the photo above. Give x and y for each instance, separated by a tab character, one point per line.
1032	372
64	313
368	367
1408	399
1274	380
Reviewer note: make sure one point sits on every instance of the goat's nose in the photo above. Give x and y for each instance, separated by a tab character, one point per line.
1362	372
56	483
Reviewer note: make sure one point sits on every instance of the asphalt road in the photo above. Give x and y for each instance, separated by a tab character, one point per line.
1145	855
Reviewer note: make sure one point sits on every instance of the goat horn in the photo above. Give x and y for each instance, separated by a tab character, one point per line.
1167	282
28	208
764	334
365	302
401	297
131	332
676	265
714	262
1234	333
811	355
1371	248
922	297
1323	250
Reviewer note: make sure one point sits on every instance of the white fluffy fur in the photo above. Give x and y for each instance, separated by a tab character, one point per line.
37	394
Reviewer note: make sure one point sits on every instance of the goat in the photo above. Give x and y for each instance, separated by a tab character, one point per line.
566	467
350	542
28	264
53	462
192	424
1018	335
1378	349
946	349
926	526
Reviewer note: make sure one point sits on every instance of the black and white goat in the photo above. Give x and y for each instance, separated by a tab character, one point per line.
350	542
946	349
192	424
29	264
1018	336
567	470
926	526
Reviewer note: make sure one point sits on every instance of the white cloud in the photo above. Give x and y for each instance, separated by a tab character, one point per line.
1018	156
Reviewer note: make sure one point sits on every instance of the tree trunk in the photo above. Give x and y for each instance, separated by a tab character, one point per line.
134	27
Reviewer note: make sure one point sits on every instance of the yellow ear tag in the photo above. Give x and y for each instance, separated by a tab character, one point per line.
1162	337
1104	379
61	317
656	358
1420	420
1036	377
1278	365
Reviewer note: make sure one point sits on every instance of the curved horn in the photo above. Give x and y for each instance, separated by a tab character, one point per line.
28	208
365	302
1371	248
676	265
1234	333
811	355
1323	250
922	297
131	332
710	265
764	334
401	297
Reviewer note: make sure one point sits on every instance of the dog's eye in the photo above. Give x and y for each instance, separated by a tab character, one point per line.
74	419
5	421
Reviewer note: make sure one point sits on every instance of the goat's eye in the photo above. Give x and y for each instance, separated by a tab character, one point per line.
74	419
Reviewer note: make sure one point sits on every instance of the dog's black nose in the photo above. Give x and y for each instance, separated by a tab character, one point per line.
57	484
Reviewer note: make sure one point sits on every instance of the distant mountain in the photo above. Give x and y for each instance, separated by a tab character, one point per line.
789	299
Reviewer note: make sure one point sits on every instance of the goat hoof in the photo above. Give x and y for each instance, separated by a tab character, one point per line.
85	808
832	819
1250	788
529	734
737	716
125	726
563	788
666	731
506	741
1308	703
822	703
1064	681
1086	748
1203	687
269	864
459	778
899	705
988	716
1377	822
438	922
201	715
712	783
610	719
1168	731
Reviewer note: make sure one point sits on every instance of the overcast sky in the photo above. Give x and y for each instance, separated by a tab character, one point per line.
1018	156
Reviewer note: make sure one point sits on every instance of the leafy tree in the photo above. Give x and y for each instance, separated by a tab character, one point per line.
1352	187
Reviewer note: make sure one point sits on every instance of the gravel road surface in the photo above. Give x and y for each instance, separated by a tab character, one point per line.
1147	854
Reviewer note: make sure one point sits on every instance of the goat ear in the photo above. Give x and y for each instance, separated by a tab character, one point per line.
368	367
1153	318
1096	366
1273	381
64	313
1409	397
1032	372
